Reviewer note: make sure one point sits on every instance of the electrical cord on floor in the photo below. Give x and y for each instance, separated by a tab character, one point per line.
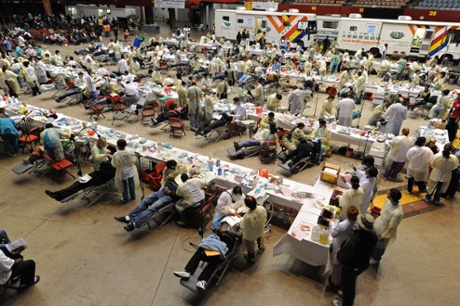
190	248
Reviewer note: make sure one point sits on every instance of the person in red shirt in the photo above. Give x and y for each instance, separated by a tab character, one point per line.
454	117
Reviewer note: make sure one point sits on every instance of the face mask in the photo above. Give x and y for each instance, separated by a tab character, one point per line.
236	198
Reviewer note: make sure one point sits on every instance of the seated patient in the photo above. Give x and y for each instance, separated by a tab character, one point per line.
173	111
304	149
259	138
149	206
105	173
221	241
13	266
214	123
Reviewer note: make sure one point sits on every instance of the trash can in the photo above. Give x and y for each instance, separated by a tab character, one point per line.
137	42
106	29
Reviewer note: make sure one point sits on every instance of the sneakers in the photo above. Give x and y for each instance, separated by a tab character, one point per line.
236	145
123	201
182	274
337	302
372	261
261	250
121	220
36	280
426	199
153	123
129	227
201	285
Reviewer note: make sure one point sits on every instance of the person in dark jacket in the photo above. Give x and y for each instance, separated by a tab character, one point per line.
354	256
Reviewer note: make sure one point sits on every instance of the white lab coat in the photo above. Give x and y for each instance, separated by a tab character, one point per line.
225	205
341	232
367	184
395	114
345	110
418	163
399	147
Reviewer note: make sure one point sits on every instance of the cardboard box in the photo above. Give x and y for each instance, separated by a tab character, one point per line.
329	173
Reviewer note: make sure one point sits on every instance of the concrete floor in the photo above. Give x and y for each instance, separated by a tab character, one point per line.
85	258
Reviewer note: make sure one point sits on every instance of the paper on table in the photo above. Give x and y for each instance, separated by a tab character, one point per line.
330	171
286	191
301	230
84	179
17	246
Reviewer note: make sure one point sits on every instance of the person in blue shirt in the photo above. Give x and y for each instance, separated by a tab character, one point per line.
9	133
8	47
18	52
276	66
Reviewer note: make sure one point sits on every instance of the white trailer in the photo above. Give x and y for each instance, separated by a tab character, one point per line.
328	26
413	38
296	27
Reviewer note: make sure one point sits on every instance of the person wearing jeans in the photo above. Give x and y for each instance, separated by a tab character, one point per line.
396	157
126	178
149	206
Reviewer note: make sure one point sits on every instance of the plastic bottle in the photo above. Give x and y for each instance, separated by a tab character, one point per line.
315	233
218	163
95	125
219	172
324	236
211	164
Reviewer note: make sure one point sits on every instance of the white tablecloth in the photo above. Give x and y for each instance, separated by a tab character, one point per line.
311	252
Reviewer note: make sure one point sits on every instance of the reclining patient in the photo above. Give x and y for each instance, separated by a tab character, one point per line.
173	111
149	206
304	149
217	121
105	173
262	136
213	250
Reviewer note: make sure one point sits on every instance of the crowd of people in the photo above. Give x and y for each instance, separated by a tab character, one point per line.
358	239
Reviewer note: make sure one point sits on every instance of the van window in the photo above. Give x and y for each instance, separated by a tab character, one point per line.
226	18
330	24
240	21
312	29
286	24
264	24
371	28
353	28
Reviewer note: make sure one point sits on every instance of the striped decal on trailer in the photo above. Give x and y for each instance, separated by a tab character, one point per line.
439	41
291	33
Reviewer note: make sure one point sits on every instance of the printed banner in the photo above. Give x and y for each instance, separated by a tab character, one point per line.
170	3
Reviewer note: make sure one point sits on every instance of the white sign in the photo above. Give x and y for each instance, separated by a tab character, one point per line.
170	3
264	5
